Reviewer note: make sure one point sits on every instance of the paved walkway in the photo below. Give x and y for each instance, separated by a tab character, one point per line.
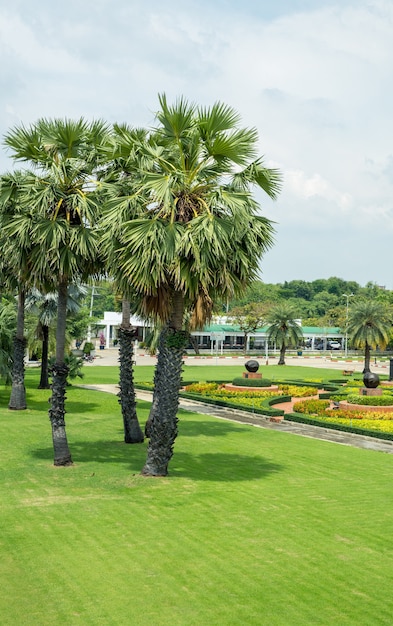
111	357
304	430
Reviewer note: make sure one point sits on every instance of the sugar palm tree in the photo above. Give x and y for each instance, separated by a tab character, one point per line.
283	328
369	326
63	213
7	324
45	307
197	233
119	176
16	270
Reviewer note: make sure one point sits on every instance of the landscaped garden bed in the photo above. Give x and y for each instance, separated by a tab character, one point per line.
320	404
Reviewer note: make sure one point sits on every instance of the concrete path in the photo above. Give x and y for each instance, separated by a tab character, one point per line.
111	357
244	417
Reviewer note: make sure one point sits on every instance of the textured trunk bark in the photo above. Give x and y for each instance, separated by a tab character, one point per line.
126	395
282	355
158	369
18	392
62	455
44	379
167	382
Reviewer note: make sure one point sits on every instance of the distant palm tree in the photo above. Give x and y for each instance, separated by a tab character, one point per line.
16	269
45	307
283	328
7	328
61	197
132	430
369	326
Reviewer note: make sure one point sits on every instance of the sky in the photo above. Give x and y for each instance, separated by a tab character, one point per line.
313	76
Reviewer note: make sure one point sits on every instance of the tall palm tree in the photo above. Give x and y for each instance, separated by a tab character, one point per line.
369	326
283	328
120	176
197	233
64	210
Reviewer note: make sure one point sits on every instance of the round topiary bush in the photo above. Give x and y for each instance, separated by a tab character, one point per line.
251	382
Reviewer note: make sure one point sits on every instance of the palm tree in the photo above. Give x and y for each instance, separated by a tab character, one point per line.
283	328
16	270
196	233
119	177
369	326
64	210
45	307
7	324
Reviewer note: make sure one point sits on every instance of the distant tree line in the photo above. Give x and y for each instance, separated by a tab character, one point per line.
321	302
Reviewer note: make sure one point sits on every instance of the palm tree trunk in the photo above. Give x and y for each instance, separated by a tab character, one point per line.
167	380
126	395
154	406
44	379
18	391
62	455
281	360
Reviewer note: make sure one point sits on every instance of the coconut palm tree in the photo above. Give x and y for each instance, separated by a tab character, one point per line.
197	233
283	328
63	211
369	326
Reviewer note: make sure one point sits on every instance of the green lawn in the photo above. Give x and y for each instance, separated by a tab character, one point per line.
143	373
252	527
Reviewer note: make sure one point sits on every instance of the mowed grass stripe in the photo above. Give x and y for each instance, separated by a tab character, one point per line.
251	527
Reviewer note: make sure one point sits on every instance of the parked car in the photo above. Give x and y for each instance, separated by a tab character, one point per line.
334	345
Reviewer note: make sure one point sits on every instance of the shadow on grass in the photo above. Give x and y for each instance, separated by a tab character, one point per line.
102	451
72	407
203	428
221	466
215	466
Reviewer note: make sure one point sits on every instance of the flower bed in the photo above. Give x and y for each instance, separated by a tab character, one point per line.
323	414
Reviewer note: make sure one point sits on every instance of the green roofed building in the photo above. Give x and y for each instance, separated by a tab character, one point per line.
224	337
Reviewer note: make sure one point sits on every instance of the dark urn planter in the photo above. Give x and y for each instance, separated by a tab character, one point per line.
252	366
371	381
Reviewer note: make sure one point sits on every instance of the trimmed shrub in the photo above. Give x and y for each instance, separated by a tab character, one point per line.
252	382
385	400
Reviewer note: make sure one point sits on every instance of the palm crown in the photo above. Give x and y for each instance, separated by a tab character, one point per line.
59	193
195	227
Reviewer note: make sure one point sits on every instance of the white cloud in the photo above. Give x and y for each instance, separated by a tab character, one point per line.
315	83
